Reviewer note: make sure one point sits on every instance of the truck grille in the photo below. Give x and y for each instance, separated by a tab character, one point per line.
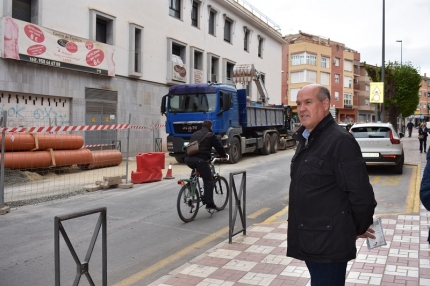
187	127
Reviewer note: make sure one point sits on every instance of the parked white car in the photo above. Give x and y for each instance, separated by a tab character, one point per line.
380	145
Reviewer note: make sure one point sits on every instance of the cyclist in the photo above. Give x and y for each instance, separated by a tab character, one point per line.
199	161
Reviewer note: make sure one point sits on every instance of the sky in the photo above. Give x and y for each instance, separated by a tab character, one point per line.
358	25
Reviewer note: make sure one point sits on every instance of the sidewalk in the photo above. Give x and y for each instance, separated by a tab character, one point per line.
259	257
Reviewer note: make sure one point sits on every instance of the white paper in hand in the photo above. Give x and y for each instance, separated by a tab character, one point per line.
379	235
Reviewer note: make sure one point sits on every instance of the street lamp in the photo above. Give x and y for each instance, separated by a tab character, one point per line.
401	51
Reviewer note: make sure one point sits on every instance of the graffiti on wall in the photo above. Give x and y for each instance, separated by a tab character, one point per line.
28	111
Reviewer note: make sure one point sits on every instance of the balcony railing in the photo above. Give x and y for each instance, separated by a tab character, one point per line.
258	14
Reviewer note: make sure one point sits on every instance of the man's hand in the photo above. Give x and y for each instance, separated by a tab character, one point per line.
224	159
367	234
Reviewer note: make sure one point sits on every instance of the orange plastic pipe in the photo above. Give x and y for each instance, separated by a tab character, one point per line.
35	141
103	158
44	159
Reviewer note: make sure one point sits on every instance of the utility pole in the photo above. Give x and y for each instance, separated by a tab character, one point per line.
383	59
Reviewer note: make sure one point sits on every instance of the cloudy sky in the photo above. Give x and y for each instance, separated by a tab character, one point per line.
358	24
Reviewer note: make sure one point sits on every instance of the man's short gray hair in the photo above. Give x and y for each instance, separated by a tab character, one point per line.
323	93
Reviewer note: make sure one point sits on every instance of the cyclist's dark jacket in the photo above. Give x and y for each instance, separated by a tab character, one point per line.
207	144
331	200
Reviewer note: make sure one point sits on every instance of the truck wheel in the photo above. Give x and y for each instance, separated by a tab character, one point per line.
274	140
265	150
179	159
235	152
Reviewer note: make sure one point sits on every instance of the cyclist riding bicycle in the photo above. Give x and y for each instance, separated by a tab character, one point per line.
199	161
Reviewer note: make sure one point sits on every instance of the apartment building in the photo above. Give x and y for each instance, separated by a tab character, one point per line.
314	59
97	62
424	95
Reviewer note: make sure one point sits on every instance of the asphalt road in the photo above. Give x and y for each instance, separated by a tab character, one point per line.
146	239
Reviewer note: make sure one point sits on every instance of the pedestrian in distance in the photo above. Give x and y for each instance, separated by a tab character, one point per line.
331	199
410	125
422	137
200	160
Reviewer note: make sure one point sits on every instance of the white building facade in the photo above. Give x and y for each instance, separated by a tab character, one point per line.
92	62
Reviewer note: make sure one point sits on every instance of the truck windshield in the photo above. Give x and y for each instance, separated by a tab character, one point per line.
193	102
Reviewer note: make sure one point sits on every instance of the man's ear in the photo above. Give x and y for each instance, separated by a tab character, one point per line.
326	103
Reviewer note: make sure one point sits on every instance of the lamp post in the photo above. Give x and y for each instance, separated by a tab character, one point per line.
401	51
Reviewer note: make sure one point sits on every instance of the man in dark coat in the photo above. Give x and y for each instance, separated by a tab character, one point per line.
331	199
199	161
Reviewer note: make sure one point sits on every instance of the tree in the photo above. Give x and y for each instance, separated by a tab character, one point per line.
402	84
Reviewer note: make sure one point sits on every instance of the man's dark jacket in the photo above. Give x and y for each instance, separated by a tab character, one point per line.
206	145
425	185
331	199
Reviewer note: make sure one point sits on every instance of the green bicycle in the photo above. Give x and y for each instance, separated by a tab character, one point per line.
191	194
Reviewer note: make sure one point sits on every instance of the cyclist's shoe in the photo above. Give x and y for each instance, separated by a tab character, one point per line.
211	206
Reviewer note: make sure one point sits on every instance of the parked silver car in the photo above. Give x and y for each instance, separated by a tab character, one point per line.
380	145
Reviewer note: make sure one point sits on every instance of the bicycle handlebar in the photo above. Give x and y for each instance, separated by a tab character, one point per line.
218	159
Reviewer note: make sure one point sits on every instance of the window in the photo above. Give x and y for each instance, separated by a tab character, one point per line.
197	64
325	78
299	59
336	78
324	62
304	76
25	10
227	30
347	99
135	50
260	46
177	68
228	71
336	95
212	15
367	87
246	39
175	8
101	30
213	67
293	94
366	102
102	27
195	14
336	62
347	82
347	65
311	60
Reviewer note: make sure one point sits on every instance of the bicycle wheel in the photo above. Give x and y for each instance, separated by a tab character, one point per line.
187	204
220	193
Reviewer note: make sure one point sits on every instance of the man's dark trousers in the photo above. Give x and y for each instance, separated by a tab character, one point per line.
205	173
327	274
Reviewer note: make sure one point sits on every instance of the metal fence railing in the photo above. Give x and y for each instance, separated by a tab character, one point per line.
239	205
82	266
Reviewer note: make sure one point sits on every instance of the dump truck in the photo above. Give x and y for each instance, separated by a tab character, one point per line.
243	126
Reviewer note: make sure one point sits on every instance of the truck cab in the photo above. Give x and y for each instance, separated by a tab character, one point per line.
187	106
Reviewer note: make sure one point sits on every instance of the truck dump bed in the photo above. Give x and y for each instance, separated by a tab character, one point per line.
258	116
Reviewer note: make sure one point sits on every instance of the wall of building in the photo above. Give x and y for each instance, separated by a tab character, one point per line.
139	95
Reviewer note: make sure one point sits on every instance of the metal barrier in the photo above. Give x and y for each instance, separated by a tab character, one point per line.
158	145
82	267
240	205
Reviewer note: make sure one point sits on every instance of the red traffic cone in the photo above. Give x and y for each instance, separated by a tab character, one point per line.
169	173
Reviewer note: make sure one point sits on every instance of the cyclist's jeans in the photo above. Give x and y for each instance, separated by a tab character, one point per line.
205	173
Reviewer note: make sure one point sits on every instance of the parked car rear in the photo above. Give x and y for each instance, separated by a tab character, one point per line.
380	145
